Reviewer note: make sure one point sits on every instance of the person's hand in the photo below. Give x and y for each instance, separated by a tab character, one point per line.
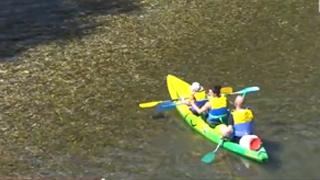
185	101
227	132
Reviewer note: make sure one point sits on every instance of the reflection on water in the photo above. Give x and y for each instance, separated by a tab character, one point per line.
69	103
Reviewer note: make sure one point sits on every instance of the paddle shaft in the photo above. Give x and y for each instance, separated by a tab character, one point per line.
216	149
225	90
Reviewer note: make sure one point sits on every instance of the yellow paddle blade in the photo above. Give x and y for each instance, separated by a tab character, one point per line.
149	104
226	90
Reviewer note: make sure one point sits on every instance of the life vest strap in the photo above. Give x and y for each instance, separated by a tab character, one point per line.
218	115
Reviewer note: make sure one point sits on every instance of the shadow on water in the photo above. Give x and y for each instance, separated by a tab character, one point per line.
159	116
273	149
24	24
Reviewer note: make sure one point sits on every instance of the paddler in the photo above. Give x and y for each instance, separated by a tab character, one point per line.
198	96
241	118
217	111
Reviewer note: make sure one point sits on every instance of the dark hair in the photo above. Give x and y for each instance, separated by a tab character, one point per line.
216	90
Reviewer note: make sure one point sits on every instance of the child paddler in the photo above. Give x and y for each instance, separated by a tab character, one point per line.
198	96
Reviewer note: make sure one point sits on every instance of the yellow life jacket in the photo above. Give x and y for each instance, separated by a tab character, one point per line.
242	116
218	112
218	102
201	95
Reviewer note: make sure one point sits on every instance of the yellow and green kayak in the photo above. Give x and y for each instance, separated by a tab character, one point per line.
179	89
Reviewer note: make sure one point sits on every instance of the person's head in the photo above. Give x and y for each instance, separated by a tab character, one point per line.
216	90
238	101
196	87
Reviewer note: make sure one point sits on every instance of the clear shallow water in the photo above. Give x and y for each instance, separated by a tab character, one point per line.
69	102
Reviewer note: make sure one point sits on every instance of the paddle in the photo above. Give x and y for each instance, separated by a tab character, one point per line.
154	103
247	90
224	90
210	156
168	105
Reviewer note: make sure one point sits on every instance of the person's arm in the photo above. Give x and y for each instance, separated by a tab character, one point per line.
189	100
192	98
202	109
230	120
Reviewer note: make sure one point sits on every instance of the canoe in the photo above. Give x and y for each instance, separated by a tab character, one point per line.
178	89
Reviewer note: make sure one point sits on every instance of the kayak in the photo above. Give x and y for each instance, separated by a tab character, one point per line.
180	89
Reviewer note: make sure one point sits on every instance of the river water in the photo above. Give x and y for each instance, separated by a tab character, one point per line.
73	73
